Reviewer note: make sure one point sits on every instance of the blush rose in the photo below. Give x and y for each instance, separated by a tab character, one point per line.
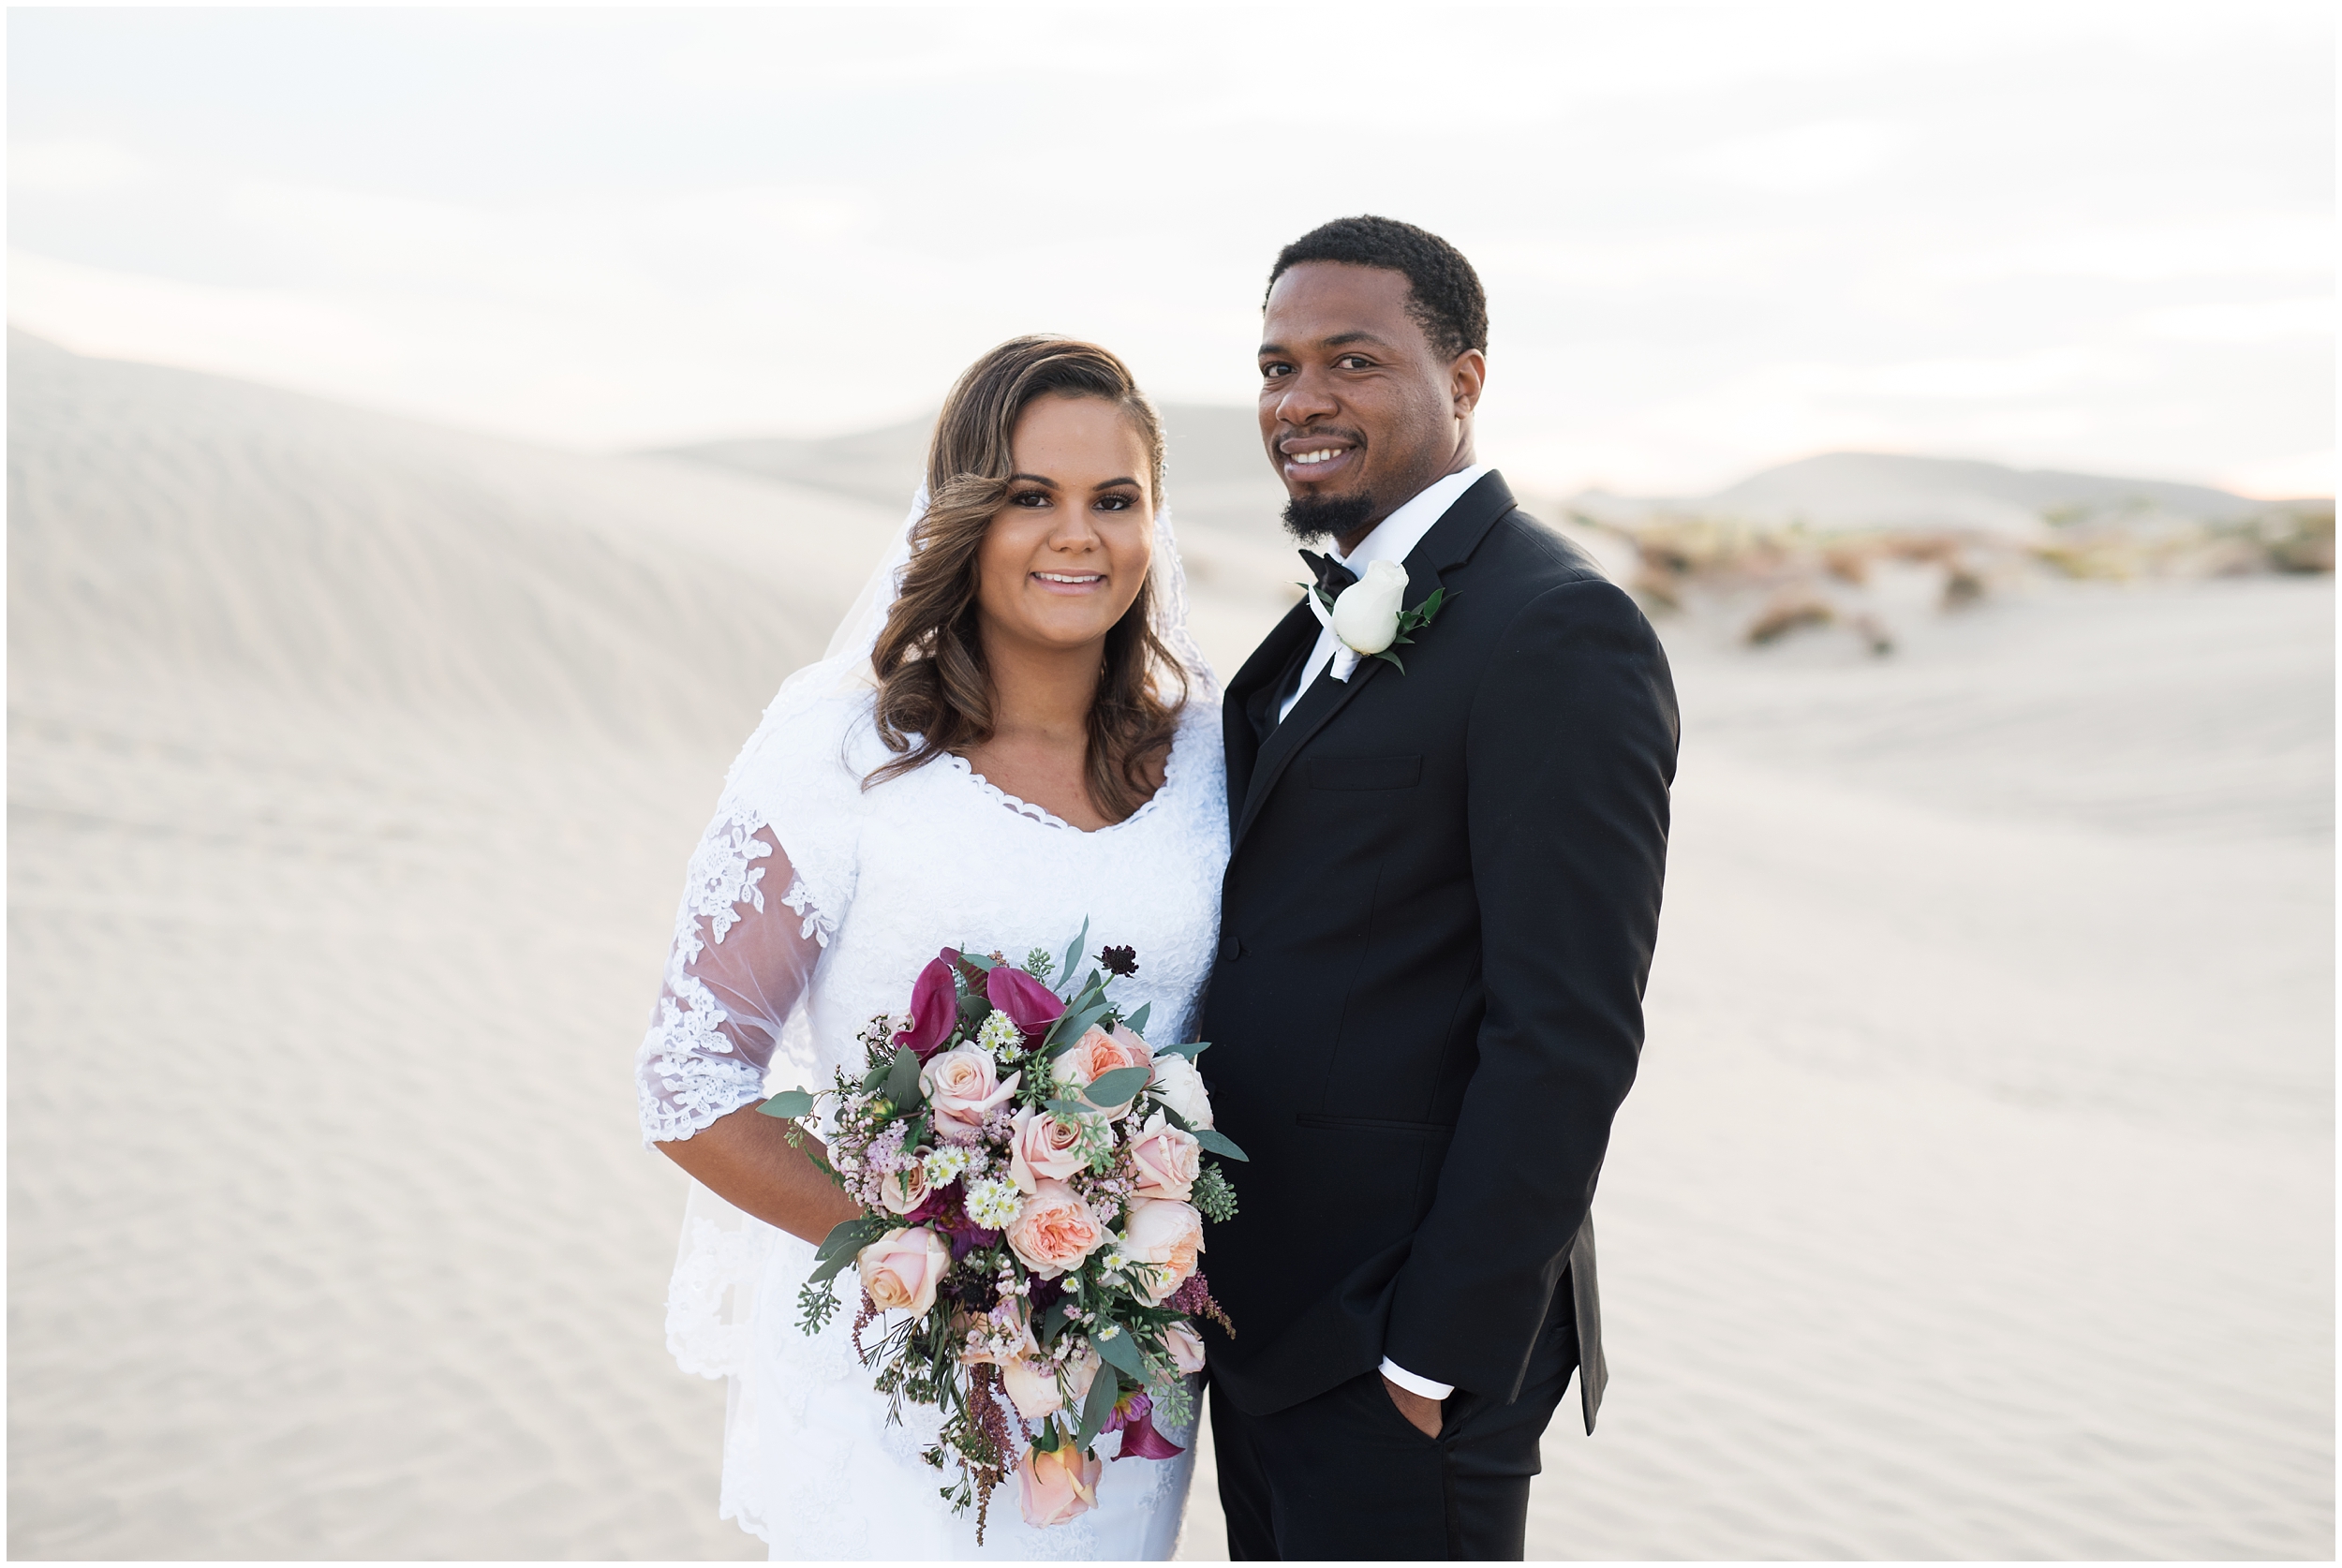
1042	1148
1168	1234
1056	1485
1166	1160
902	1268
962	1088
1097	1053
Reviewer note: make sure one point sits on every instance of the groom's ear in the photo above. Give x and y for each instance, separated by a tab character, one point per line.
1466	376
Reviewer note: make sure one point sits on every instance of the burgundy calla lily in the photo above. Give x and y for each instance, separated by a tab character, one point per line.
934	1009
1030	1005
1135	1418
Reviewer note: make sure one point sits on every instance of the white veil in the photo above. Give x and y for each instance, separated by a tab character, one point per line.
723	1252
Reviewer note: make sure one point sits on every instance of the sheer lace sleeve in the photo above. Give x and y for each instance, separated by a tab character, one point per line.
748	938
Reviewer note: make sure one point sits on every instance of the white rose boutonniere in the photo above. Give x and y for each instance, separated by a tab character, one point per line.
1366	616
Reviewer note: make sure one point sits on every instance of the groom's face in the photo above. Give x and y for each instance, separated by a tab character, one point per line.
1356	410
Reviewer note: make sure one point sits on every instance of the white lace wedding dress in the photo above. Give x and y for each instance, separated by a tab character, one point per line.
810	906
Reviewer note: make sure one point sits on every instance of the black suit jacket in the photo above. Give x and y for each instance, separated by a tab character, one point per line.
1435	928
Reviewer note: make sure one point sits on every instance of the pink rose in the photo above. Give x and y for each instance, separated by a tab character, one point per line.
1097	1054
1168	1234
1042	1148
1059	1485
962	1089
1185	1345
1032	1006
1165	1159
1032	1387
901	1269
1055	1230
934	1009
901	1191
1033	1384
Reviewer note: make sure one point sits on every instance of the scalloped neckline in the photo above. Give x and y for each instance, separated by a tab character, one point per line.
1048	818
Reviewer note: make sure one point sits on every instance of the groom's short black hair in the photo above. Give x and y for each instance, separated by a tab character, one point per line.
1444	293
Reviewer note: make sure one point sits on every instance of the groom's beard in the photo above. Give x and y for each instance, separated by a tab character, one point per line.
1311	518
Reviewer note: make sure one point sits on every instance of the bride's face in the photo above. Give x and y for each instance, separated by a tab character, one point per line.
1066	557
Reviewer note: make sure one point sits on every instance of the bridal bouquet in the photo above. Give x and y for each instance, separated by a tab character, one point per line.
1033	1186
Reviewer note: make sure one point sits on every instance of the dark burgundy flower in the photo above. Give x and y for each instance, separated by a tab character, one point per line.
1135	1418
934	1009
1030	1005
1119	960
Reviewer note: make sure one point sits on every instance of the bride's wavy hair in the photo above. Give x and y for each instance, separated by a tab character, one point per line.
934	692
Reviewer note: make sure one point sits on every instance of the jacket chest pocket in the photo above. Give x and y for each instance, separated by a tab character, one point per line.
1365	773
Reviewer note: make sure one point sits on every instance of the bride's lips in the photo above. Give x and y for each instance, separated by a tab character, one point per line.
1314	459
1070	582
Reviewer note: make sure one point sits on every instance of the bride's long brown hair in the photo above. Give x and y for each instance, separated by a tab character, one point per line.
934	692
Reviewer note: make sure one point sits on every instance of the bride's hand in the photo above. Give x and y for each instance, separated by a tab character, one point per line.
747	1160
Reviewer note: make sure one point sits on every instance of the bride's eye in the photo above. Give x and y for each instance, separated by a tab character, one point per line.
1030	498
1113	503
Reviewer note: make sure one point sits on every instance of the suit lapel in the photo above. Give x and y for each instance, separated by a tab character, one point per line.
1449	543
1288	640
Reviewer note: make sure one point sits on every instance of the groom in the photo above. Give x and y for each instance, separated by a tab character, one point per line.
1435	928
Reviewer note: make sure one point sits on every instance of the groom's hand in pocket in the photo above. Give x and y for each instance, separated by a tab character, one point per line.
1422	1414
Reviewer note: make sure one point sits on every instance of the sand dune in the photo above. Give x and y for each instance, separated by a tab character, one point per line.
1975	1200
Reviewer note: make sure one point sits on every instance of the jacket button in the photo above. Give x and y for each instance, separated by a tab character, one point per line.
1230	949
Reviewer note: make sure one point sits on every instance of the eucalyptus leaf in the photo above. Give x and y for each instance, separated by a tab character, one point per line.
1069	1109
824	1272
1136	1022
1121	1352
849	1236
902	1078
1053	1320
1074	948
1215	1142
1115	1088
974	1006
790	1104
977	961
1190	1049
1104	1389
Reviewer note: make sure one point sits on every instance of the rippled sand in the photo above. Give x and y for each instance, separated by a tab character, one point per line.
1974	1201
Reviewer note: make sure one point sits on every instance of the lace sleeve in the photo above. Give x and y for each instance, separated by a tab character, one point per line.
746	941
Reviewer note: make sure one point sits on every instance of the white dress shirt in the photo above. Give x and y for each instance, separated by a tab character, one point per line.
1393	539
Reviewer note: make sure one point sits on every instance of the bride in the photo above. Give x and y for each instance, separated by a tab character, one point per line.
1012	733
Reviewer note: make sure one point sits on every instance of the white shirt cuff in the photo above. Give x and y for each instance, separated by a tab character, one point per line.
1415	1385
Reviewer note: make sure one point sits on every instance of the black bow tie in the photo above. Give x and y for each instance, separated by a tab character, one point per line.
1331	575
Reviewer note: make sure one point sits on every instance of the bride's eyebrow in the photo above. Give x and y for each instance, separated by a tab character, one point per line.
1042	480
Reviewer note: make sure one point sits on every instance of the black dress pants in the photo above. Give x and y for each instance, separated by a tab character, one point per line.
1345	1477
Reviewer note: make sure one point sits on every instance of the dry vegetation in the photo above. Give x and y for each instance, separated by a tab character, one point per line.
1772	580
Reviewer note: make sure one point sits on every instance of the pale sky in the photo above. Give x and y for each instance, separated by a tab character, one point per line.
2098	237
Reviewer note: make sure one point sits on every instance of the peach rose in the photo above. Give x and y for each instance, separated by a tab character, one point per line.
1059	1485
901	1269
901	1191
1165	1159
1054	1230
1185	1345
1097	1054
1033	1384
962	1088
1168	1234
1042	1148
